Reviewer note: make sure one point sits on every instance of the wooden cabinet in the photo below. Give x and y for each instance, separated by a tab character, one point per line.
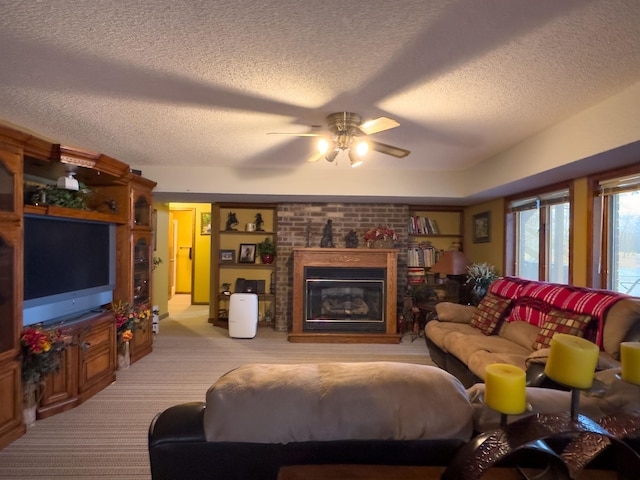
88	365
117	196
135	259
11	426
236	264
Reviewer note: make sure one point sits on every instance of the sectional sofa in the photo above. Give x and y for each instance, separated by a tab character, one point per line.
514	324
258	418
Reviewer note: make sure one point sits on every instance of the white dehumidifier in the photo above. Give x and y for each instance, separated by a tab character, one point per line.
243	315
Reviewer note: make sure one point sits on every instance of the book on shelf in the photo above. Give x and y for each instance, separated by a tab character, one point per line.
422	226
422	255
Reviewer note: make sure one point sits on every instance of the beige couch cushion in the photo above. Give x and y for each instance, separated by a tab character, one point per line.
438	331
453	312
479	360
336	401
463	346
619	319
522	333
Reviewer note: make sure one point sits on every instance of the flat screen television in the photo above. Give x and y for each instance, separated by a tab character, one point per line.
69	267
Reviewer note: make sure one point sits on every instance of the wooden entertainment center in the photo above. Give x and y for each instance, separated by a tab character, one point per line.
117	197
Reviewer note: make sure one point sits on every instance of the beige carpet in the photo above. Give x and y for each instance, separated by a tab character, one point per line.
106	437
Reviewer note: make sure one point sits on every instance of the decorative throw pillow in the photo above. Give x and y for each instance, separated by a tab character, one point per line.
491	310
561	322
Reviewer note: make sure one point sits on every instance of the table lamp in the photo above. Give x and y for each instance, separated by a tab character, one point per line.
572	363
451	263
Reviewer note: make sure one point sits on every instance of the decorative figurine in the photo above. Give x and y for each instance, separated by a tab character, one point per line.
327	236
351	239
232	221
259	222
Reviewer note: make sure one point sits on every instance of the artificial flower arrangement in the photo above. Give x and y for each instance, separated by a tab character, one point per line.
480	276
381	233
128	319
41	352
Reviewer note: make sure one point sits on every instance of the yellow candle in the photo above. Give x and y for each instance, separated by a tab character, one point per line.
630	358
572	361
505	387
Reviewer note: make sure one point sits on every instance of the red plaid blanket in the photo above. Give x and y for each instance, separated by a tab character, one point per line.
533	300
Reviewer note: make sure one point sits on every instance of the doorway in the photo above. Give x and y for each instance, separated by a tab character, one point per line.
181	224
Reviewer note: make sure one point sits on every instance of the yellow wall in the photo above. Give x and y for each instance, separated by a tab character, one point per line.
201	254
580	247
491	252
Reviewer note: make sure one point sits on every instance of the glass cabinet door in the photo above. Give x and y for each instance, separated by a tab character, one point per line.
8	255
10	187
142	211
141	271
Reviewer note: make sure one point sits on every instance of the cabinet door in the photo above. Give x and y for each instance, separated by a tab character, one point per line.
98	359
61	391
142	341
10	184
10	289
141	293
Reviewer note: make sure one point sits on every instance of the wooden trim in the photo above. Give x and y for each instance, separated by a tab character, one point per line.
352	257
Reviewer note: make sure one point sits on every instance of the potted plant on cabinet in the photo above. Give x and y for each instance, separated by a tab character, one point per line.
267	250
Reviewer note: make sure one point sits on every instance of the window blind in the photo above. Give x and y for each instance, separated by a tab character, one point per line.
537	201
612	186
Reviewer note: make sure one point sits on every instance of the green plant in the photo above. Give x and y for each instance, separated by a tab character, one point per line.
267	247
60	197
421	293
480	276
156	261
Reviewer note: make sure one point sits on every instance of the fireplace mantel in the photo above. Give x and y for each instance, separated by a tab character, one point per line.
352	258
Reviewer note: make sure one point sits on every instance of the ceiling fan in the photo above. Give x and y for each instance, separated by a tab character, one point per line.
347	131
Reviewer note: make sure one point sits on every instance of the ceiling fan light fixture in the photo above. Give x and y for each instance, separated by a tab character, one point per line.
323	145
355	158
362	148
331	156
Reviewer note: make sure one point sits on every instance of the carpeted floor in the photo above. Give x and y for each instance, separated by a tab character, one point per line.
106	437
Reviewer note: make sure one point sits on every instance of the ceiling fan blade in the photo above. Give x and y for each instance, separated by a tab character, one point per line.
376	125
315	157
296	134
389	149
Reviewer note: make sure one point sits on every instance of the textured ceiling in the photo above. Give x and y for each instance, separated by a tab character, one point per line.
199	84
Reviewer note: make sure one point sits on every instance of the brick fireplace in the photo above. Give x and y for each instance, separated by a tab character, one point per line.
344	295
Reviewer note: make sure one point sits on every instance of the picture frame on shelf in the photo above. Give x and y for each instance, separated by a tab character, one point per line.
205	223
227	256
247	253
482	227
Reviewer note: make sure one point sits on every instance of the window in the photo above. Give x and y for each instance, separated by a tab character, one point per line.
617	210
538	236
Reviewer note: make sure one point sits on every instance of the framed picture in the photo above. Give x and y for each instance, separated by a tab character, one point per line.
482	227
247	253
227	256
205	223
